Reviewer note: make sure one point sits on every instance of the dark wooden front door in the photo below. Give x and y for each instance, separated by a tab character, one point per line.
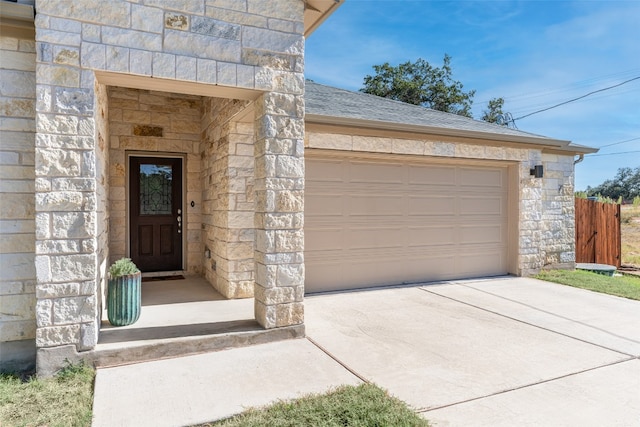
155	209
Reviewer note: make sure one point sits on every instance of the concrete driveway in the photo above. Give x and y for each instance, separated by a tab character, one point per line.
493	352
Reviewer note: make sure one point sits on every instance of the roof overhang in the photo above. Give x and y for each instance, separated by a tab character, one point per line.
316	11
134	81
554	144
17	20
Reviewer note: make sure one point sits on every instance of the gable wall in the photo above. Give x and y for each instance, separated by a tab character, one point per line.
17	210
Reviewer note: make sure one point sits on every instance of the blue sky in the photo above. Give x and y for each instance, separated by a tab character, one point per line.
535	54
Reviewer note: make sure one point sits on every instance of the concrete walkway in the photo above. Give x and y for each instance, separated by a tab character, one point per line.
496	352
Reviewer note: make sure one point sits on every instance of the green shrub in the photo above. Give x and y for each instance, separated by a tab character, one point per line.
581	195
123	267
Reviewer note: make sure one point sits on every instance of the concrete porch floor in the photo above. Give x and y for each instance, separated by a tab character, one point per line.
181	317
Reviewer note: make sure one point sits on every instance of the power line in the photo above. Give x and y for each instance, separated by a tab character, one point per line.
602	95
580	97
613	154
565	88
620	142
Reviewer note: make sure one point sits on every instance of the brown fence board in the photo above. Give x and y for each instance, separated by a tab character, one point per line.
598	237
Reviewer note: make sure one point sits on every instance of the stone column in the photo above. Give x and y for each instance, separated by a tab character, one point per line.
66	200
279	215
530	217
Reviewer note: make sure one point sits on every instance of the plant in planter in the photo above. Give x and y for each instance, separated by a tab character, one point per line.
124	293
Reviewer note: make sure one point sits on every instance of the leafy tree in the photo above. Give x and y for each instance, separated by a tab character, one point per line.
421	83
625	184
493	111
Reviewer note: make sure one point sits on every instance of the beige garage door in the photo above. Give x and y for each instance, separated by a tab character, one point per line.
375	223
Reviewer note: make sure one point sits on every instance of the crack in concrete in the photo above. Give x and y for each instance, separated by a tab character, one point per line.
528	323
550	313
425	410
340	362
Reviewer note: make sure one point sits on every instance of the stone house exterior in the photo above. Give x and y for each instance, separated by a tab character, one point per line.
97	96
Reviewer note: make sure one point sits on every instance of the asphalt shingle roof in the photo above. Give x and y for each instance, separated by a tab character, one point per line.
329	101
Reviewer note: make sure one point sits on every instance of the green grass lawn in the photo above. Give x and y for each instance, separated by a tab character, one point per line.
363	406
623	286
66	401
62	401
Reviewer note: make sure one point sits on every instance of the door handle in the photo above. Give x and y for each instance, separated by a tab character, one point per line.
179	221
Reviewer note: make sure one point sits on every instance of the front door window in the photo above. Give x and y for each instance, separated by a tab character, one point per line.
155	189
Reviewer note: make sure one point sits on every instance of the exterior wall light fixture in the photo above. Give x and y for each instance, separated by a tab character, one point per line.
537	171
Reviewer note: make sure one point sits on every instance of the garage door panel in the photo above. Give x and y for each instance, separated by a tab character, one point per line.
440	267
328	273
376	205
385	223
430	205
375	237
376	173
431	236
475	177
471	205
325	171
366	273
322	205
434	175
379	272
324	239
489	233
486	263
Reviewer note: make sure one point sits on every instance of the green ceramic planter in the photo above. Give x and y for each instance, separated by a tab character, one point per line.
124	298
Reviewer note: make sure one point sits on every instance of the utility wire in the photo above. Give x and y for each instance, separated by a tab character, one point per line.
566	88
613	154
580	97
628	91
620	142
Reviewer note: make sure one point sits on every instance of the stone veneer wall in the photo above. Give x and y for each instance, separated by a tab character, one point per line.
228	198
279	217
546	229
148	122
558	231
17	211
251	44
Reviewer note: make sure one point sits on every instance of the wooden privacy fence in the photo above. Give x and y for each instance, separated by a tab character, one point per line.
598	237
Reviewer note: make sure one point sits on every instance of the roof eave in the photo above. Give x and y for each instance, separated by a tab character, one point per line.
316	12
581	149
557	144
17	20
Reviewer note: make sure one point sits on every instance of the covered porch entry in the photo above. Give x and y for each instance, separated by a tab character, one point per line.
183	204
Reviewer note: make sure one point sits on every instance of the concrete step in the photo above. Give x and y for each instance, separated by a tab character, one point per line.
126	346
